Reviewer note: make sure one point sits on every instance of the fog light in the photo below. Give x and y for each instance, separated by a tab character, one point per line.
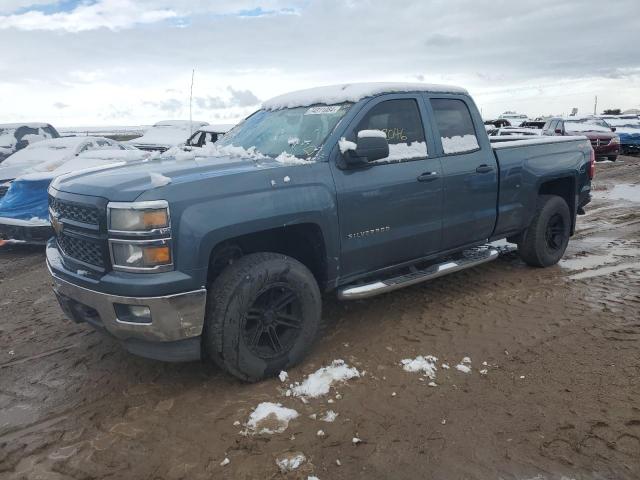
132	313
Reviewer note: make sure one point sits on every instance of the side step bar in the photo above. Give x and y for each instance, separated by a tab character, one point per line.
467	259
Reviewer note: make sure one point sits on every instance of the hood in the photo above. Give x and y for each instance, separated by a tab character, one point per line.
11	172
127	182
591	135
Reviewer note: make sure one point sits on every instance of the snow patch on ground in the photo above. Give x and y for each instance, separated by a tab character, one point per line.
289	462
270	418
319	383
426	364
463	366
329	416
627	192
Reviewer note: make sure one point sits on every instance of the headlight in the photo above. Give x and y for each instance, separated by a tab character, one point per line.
138	216
615	140
151	255
140	236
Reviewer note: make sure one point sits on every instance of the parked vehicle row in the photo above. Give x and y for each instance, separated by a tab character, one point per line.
26	175
16	136
605	143
360	189
628	130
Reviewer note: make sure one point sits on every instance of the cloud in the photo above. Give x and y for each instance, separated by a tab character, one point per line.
509	55
238	98
242	98
60	105
170	105
123	14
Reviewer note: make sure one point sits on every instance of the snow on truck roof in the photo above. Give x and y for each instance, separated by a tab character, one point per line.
350	92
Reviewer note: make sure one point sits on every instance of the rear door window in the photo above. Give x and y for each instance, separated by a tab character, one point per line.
401	122
453	119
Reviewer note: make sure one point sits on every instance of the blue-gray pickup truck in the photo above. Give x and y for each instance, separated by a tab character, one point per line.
360	189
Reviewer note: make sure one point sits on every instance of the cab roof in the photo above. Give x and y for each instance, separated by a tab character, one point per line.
351	92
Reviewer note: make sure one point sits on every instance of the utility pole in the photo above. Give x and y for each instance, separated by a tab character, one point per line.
193	72
595	106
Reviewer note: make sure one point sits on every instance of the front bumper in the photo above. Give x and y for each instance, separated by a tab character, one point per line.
23	231
173	334
607	150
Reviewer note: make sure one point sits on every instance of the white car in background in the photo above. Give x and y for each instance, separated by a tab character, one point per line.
166	134
16	136
515	119
26	175
515	131
48	156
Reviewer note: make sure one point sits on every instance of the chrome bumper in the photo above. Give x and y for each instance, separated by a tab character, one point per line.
173	317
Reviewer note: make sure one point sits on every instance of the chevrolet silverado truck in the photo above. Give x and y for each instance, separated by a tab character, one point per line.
360	189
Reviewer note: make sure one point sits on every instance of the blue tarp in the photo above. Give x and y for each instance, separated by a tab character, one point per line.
26	199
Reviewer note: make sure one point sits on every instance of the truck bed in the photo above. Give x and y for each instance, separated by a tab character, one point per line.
523	164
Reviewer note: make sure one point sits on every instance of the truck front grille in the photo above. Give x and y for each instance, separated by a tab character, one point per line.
74	211
80	249
600	142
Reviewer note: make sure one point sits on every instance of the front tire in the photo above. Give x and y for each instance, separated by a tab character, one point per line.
544	242
263	315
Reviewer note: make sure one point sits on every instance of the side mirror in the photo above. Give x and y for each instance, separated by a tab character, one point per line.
558	131
613	129
372	145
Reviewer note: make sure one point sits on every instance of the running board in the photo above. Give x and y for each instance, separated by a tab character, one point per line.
467	259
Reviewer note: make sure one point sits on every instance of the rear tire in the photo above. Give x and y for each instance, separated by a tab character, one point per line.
544	242
613	159
263	315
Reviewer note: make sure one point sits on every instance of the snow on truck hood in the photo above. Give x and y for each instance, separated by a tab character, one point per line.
350	92
125	182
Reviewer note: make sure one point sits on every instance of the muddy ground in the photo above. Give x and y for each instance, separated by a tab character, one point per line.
560	397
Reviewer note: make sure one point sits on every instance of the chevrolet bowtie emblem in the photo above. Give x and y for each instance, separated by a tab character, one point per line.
56	224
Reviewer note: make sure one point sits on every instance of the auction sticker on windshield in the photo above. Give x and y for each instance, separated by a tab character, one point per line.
323	110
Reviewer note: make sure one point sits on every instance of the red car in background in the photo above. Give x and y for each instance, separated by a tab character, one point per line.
605	143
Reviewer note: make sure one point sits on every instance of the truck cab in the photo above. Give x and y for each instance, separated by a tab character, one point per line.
359	188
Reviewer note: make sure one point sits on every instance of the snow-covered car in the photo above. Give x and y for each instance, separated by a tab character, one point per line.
515	119
16	136
628	130
166	134
24	214
515	131
207	135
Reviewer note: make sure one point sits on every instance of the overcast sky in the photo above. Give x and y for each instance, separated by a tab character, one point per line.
129	62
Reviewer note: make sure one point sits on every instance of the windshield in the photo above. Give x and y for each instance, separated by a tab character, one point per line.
296	131
586	126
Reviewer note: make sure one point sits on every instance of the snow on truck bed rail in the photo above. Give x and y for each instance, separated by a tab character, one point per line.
350	92
534	141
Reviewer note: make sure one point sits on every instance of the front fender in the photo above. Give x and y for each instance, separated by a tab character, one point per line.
277	198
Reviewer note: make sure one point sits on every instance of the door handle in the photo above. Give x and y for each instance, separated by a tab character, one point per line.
428	177
484	168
